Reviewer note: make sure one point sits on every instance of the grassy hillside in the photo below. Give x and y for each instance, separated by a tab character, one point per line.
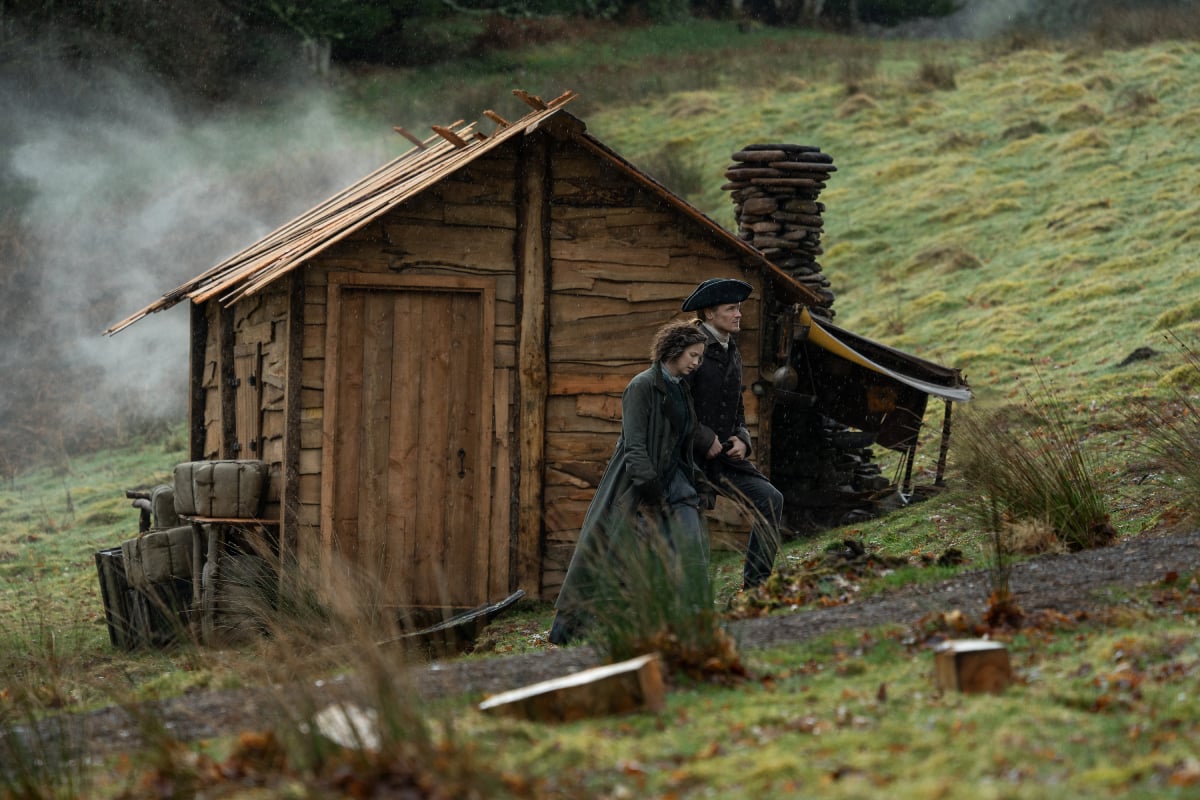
1040	212
1027	215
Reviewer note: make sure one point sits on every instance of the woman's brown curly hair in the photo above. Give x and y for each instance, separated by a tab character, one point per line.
673	338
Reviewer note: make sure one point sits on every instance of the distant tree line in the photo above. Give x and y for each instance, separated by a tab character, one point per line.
203	47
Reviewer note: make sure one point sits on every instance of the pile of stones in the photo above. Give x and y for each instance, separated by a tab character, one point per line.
774	188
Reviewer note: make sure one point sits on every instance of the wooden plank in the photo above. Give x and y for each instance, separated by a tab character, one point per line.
310	492
495	562
597	379
579	446
431	335
506	356
465	563
625	338
272	452
495	215
483	248
492	190
247	400
580	474
228	408
566	216
562	415
633	685
272	424
374	430
343	411
312	371
568	308
404	472
575	275
609	253
313	339
197	358
603	407
533	269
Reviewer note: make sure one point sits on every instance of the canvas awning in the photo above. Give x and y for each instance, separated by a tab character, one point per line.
917	373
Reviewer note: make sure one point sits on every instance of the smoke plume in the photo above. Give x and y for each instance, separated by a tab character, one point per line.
114	194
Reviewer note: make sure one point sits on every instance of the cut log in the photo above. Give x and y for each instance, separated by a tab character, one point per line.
632	685
972	666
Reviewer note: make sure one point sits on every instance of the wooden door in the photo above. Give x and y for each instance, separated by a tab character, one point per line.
247	367
408	454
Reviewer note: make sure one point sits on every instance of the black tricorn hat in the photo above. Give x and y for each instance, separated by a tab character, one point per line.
716	292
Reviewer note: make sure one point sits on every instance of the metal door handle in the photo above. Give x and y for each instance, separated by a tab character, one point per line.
462	462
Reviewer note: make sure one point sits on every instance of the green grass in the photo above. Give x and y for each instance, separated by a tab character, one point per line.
1039	219
857	714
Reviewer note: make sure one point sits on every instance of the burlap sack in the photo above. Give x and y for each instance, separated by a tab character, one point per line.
158	556
162	503
233	488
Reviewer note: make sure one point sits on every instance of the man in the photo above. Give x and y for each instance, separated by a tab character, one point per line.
721	442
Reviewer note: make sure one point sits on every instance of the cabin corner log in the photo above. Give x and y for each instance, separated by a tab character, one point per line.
196	396
533	270
289	532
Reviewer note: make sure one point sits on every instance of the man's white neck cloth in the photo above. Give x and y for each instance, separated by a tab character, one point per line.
722	338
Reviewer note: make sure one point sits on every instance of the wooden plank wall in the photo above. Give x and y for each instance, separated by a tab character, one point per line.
259	322
210	384
262	321
464	225
622	263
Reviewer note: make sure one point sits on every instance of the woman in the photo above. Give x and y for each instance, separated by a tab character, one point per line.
651	477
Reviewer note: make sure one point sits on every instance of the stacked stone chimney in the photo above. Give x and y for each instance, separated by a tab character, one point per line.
774	188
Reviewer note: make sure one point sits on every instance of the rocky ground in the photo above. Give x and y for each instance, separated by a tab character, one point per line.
1065	583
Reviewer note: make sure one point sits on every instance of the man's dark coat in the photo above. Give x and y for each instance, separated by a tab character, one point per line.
720	411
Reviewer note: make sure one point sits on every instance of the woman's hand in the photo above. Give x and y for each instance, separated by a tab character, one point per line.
716	448
737	449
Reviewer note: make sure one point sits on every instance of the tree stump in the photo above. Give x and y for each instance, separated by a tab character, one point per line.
972	666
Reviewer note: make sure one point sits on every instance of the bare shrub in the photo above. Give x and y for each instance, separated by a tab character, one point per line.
936	75
654	594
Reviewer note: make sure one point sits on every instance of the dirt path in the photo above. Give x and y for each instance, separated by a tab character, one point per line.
1066	583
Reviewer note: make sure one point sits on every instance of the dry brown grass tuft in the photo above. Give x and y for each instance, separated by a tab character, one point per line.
936	75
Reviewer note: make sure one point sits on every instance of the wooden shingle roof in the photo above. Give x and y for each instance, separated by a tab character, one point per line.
429	161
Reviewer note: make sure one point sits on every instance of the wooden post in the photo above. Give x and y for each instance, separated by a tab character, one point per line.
532	265
910	456
289	495
945	446
196	355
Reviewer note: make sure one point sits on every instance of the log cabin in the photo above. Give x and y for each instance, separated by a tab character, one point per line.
431	361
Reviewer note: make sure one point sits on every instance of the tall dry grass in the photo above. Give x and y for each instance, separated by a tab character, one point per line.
653	593
1172	430
1029	464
